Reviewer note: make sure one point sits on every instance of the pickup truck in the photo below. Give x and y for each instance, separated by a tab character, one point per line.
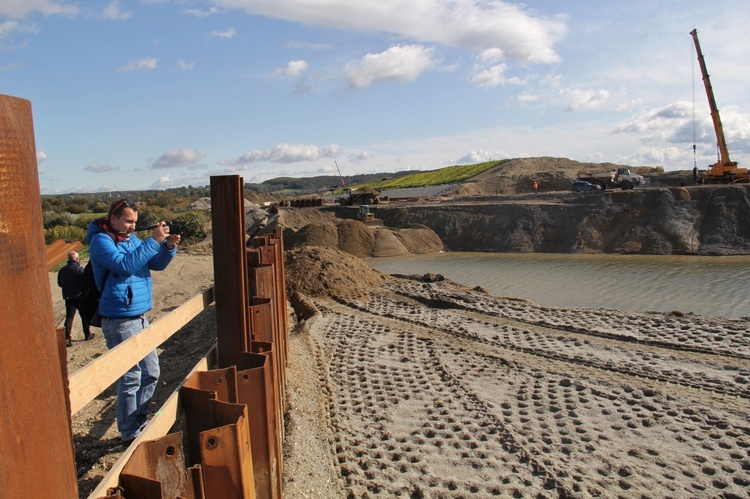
621	178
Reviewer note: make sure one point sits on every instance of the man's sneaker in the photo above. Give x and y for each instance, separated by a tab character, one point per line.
68	342
89	336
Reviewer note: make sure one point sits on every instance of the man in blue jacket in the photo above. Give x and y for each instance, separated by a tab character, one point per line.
123	263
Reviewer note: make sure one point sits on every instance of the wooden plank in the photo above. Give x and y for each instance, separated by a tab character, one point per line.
92	379
58	251
159	426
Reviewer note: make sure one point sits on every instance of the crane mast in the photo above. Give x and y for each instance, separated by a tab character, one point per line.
725	170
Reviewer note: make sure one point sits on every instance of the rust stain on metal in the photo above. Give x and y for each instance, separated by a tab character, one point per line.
34	428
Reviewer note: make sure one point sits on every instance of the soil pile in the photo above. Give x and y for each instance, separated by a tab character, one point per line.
518	175
356	238
318	271
311	227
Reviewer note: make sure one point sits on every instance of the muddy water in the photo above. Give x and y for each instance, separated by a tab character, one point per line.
704	285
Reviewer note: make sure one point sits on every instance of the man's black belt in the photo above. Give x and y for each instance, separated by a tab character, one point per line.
132	317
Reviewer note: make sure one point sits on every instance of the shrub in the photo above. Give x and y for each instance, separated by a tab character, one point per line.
152	215
100	206
67	233
52	219
192	225
78	208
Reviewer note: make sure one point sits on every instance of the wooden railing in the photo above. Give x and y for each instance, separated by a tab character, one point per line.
92	379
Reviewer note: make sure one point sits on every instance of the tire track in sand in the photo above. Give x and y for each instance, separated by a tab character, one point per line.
439	407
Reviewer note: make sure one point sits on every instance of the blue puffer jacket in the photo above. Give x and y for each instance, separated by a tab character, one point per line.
127	291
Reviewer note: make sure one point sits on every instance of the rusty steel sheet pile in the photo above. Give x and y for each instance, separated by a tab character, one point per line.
36	443
233	413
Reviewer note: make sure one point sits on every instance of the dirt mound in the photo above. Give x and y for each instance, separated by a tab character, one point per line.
317	271
387	243
518	175
363	241
296	218
356	238
315	234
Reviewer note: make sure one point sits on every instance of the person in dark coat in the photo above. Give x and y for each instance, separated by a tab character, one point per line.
70	279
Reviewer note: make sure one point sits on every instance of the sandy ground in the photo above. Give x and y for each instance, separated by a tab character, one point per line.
425	388
431	389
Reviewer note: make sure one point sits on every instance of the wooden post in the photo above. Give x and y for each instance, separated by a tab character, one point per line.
36	443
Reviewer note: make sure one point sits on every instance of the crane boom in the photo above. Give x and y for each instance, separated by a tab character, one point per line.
720	140
343	184
725	170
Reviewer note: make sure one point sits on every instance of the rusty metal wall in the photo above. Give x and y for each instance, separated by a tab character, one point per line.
35	430
233	413
230	270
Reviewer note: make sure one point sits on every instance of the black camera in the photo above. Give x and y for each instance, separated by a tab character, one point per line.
174	228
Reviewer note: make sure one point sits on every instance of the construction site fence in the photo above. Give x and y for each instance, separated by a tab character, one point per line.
233	400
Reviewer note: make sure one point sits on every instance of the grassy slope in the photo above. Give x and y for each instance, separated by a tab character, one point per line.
448	175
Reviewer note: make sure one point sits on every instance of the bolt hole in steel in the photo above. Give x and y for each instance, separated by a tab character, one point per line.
212	442
219	381
245	377
170	451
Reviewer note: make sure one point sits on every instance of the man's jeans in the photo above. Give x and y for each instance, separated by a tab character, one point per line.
136	387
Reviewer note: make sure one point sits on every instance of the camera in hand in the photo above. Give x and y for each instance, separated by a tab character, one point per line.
174	228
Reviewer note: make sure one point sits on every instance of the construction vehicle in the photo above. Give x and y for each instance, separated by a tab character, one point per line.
620	177
365	213
363	195
724	171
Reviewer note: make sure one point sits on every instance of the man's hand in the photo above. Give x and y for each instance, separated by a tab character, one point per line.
173	240
161	232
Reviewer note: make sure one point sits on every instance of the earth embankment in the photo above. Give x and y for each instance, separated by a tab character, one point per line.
700	220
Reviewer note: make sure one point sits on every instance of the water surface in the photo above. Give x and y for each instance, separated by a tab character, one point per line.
704	285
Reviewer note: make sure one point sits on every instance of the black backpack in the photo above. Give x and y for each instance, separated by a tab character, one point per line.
90	295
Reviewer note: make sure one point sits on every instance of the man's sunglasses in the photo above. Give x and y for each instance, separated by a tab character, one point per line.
128	204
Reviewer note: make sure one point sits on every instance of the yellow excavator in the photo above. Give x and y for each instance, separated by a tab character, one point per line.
724	171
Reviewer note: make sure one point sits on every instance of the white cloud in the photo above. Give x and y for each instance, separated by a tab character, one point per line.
585	99
479	156
113	13
286	153
99	168
360	156
402	63
227	33
41	157
21	8
9	29
293	68
164	182
184	65
469	24
178	158
204	13
309	46
527	98
146	64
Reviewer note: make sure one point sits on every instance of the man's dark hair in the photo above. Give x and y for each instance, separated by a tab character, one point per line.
118	207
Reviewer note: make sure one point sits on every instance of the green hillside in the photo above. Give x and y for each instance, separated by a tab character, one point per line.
448	175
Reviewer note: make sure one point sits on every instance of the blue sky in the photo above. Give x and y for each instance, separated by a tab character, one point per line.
153	94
